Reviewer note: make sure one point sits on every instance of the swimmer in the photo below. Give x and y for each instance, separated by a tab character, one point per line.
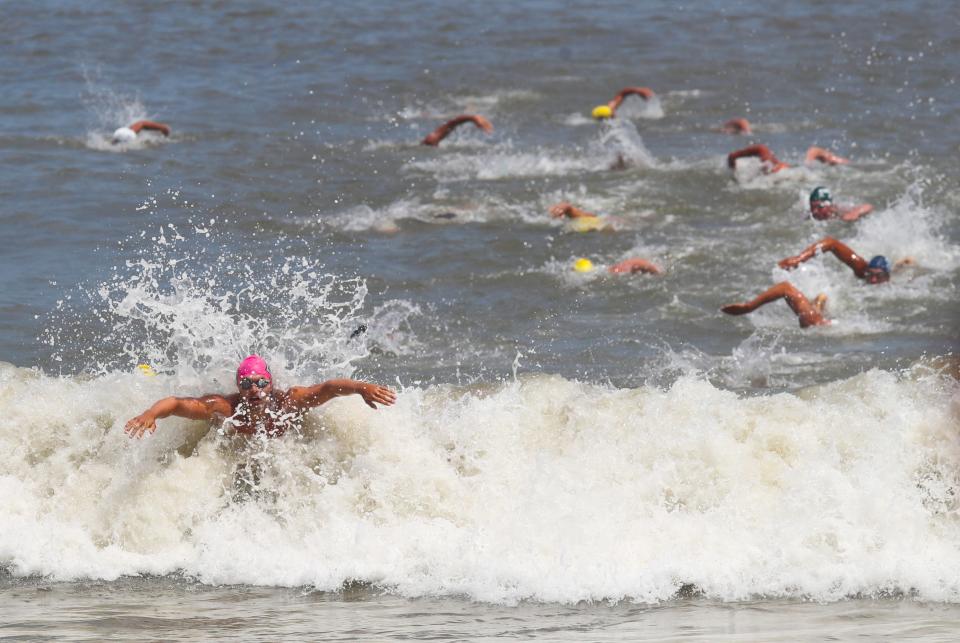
257	407
635	265
771	164
737	126
644	92
822	207
127	134
808	314
568	210
580	220
875	271
444	130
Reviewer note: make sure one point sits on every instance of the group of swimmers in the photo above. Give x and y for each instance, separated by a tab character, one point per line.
258	406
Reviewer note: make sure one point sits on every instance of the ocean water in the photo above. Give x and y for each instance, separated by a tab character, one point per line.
573	456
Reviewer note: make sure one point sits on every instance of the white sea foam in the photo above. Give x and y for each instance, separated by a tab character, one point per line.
543	489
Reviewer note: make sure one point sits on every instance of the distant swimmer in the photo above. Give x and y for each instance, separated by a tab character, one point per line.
444	130
809	314
257	408
565	209
580	220
634	265
627	266
127	134
644	92
875	271
822	207
737	126
771	164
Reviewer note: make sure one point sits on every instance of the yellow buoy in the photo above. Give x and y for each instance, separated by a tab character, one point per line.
146	369
602	111
583	265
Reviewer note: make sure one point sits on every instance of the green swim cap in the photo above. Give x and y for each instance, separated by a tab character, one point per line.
821	194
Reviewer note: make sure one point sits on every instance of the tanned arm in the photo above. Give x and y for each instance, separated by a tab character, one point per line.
194	408
307	397
760	151
824	156
444	130
645	92
808	314
151	125
841	251
566	209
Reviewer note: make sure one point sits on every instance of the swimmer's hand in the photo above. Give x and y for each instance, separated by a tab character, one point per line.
482	123
374	394
790	263
139	425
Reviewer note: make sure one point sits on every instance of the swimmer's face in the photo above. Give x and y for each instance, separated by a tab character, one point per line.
822	209
876	276
255	389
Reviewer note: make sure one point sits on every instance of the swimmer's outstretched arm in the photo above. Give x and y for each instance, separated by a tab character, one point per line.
760	151
857	211
310	396
808	314
824	156
444	130
737	126
645	92
151	125
840	250
566	209
194	408
636	265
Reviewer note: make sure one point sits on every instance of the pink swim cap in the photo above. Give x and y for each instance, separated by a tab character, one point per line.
253	365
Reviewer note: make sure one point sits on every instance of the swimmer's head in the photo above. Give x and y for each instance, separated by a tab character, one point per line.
123	135
601	112
254	379
583	265
878	270
821	203
820	195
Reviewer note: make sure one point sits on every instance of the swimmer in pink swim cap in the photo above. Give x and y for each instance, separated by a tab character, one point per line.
128	134
257	407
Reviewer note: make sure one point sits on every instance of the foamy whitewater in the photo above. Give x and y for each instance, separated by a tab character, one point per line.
540	488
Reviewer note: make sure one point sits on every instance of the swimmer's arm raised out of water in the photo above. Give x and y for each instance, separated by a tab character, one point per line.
444	130
645	92
151	125
207	407
841	251
306	397
808	314
760	151
567	209
824	156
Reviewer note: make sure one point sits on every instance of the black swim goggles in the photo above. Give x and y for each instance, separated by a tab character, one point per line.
247	384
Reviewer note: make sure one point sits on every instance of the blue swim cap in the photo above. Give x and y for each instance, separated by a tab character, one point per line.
880	262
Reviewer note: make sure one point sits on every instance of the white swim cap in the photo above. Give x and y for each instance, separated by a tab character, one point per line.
124	135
